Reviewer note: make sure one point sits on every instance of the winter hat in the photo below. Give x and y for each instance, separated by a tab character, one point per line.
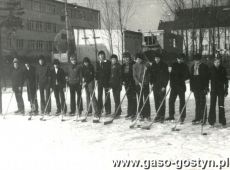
126	55
113	56
41	57
181	56
86	60
197	57
140	55
101	53
56	62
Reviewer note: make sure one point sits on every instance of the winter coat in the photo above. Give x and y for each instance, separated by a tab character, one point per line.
17	78
43	75
103	72
200	82
58	79
159	75
138	73
115	79
30	78
219	81
88	73
178	76
127	78
74	73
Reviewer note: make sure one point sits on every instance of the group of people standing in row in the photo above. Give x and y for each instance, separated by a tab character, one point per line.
139	77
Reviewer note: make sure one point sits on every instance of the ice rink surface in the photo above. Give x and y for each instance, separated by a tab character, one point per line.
71	145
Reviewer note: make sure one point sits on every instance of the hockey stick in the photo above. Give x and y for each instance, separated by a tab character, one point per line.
177	122
138	104
4	115
139	113
147	127
91	99
42	118
111	121
63	110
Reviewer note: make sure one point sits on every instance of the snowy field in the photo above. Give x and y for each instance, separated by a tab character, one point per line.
70	145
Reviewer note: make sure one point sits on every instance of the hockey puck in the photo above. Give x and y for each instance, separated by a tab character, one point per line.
204	134
175	130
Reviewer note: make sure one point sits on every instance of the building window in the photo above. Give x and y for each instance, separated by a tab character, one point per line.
19	44
36	6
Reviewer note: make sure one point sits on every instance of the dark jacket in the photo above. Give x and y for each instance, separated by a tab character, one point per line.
30	78
103	71
17	78
199	82
58	79
159	75
219	81
43	75
88	73
74	73
115	79
127	77
138	73
178	76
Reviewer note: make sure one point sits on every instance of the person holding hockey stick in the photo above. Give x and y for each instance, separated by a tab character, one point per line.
74	79
115	83
129	83
43	80
139	68
199	85
159	80
103	71
179	74
219	89
30	78
17	85
58	83
88	75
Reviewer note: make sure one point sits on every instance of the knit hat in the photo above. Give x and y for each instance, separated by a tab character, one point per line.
113	56
197	57
86	60
140	55
56	62
41	57
181	56
126	55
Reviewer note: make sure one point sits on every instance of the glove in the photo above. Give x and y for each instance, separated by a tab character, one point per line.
206	90
225	92
163	89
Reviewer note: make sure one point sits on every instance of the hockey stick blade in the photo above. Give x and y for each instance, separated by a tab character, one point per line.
147	127
175	129
108	122
96	121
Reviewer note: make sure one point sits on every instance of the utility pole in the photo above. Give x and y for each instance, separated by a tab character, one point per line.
67	28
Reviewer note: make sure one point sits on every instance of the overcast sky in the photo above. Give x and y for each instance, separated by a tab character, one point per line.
146	17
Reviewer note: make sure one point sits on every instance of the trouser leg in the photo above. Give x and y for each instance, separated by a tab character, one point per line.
222	118
182	104
56	94
107	102
146	108
212	111
116	96
172	99
72	99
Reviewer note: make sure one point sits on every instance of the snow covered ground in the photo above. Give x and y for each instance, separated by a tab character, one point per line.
70	145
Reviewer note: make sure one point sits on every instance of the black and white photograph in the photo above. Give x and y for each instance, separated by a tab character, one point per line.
114	84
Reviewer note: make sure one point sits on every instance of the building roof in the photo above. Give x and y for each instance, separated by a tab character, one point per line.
205	17
73	5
